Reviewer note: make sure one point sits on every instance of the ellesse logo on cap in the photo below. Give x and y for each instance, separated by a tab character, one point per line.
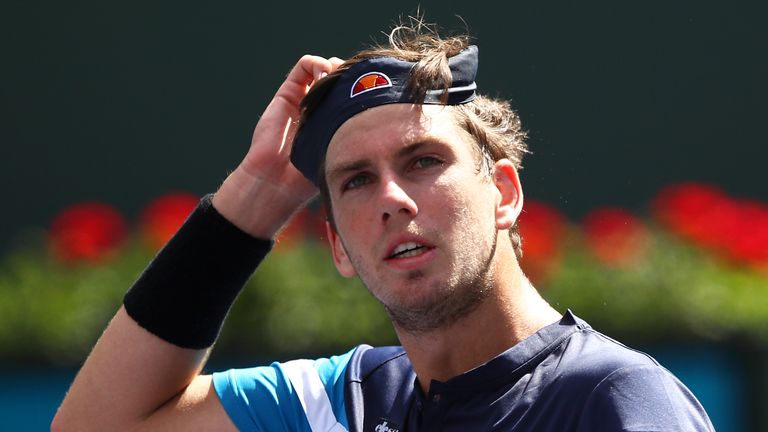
368	82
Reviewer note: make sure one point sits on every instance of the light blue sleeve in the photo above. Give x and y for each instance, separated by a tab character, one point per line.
265	399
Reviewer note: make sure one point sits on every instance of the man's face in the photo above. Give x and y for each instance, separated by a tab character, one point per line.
414	217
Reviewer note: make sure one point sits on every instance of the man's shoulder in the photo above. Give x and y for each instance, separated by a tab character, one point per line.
606	385
629	389
586	361
368	361
589	354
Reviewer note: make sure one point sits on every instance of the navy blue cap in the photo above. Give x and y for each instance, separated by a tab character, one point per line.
367	84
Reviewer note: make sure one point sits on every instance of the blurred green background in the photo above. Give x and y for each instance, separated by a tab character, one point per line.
125	103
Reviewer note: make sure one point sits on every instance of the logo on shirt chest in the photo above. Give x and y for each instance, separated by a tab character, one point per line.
386	426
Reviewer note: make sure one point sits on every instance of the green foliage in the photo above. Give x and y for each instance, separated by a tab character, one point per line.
53	313
297	304
676	292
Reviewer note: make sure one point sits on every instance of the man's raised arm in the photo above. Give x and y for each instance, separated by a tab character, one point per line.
136	380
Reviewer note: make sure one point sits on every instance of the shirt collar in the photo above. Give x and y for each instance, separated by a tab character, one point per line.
514	362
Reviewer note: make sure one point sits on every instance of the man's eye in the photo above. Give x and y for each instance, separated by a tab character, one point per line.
355	182
426	161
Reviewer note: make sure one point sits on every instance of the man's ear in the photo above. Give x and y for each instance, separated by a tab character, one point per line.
340	258
510	194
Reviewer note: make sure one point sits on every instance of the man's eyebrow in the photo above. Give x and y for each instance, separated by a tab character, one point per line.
346	167
411	148
361	164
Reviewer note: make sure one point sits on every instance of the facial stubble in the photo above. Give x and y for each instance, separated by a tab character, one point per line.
449	301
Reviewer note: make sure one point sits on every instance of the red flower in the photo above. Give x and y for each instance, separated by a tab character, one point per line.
749	242
737	230
542	228
615	236
164	216
88	231
307	224
700	213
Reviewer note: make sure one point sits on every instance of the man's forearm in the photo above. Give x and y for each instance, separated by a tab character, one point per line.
158	342
185	293
129	374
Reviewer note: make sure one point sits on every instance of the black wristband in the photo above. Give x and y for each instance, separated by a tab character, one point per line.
185	293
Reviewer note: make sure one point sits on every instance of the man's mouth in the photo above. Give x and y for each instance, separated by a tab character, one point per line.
408	249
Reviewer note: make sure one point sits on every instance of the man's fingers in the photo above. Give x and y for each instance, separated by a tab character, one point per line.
309	68
336	62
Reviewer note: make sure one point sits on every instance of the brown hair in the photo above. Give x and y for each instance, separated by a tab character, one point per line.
493	124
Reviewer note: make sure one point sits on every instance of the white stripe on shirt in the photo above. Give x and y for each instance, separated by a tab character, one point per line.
311	392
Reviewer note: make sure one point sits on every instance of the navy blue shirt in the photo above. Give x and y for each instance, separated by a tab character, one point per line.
565	377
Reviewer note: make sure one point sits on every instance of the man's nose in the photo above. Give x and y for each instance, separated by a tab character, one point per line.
395	200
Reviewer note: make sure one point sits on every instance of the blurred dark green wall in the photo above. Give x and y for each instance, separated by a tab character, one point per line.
121	102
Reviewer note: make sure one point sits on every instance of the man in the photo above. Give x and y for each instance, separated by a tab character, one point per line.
419	175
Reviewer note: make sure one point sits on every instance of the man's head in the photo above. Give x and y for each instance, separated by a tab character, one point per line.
492	123
420	197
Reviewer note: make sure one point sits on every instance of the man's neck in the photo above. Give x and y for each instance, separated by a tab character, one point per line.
513	313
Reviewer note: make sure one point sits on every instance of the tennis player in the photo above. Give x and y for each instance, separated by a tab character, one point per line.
419	173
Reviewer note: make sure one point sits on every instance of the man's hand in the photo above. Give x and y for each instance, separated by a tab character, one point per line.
265	190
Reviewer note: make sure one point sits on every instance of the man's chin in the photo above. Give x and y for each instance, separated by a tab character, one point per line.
415	275
422	311
432	304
